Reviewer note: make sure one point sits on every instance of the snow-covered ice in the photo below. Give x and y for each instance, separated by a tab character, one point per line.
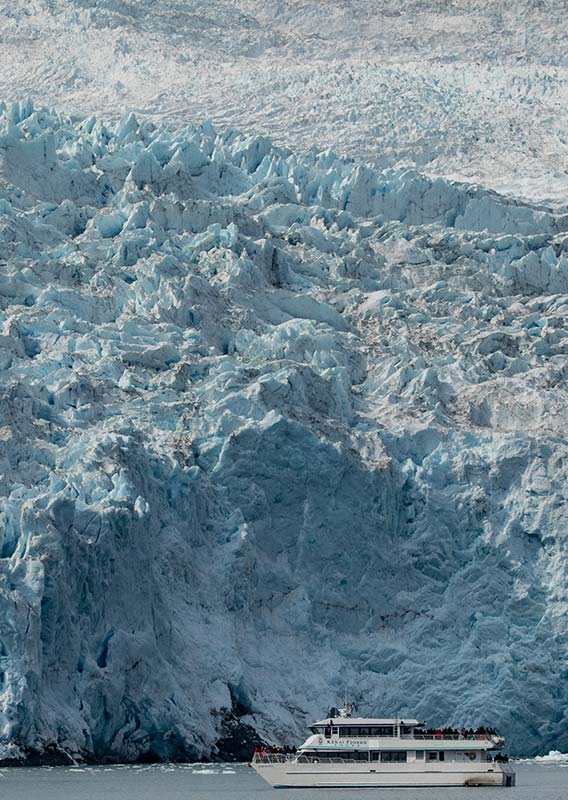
471	89
278	424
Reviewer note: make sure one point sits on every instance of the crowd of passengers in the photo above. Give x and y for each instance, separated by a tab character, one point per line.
278	750
463	732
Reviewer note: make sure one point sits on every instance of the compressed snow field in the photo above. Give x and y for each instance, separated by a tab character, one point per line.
472	89
276	424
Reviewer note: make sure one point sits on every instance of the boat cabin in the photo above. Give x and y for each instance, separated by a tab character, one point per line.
354	728
394	740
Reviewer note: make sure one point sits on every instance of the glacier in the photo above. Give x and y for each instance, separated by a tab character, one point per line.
276	425
468	89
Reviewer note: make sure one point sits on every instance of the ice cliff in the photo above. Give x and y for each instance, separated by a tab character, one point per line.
273	426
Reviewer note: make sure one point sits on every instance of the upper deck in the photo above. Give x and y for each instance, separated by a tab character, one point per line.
365	726
338	733
366	721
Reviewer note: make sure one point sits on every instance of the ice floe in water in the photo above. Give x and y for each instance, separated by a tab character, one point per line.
553	757
272	426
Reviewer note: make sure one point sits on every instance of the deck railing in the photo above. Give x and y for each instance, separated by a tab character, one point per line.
452	736
280	758
272	758
277	758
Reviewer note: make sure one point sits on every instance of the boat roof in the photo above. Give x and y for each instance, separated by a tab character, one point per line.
353	722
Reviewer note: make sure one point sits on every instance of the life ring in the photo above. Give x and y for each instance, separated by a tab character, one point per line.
320	739
471	756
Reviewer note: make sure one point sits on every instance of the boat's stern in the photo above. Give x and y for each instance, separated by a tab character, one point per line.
509	777
500	774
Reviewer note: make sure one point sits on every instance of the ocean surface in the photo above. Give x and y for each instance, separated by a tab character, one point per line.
224	782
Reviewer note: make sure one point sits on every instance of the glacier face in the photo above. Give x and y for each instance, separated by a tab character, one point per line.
273	427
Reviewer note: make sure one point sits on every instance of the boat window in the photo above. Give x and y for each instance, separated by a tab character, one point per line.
406	730
327	733
362	755
420	755
375	755
393	755
437	755
353	732
377	730
335	731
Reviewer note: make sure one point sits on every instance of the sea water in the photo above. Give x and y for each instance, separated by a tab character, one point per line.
239	782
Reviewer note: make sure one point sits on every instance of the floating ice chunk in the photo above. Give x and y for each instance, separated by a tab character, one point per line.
553	757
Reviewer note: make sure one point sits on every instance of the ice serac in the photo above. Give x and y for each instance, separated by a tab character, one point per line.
273	427
469	89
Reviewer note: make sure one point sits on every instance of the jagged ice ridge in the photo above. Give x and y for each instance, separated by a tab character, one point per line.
272	426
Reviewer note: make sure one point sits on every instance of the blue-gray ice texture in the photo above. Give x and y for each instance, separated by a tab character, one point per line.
273	427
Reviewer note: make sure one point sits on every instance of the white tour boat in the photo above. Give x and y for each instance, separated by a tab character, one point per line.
354	752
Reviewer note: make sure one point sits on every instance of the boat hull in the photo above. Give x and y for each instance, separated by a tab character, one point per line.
329	776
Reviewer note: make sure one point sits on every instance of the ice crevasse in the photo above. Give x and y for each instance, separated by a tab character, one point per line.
273	427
